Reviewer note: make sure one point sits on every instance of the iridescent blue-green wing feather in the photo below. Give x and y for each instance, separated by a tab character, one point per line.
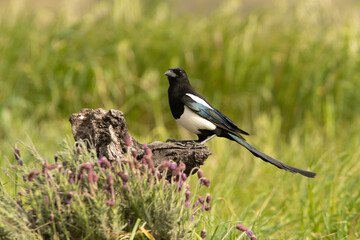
212	115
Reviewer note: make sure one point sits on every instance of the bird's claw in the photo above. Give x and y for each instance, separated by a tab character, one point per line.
182	142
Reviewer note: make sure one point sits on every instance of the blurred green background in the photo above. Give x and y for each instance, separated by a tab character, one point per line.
288	72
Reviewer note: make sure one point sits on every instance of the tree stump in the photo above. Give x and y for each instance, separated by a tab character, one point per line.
107	131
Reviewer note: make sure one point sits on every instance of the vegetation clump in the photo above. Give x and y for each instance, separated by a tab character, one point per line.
81	196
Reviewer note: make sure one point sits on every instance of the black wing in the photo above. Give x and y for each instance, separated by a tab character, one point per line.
213	115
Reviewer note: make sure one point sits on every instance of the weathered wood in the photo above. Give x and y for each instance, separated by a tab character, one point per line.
107	131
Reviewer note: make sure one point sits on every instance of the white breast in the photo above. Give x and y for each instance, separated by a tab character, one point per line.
193	122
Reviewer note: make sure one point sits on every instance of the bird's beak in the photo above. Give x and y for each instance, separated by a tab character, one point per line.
170	73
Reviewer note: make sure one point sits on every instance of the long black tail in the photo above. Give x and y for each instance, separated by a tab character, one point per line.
269	159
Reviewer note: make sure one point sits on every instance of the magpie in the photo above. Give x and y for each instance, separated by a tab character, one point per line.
195	113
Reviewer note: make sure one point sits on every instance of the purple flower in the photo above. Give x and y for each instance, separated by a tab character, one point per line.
85	166
20	162
242	228
187	195
150	163
182	166
180	184
70	196
134	153
147	150
203	234
201	200
176	173
131	164
71	177
200	174
109	180
128	140
165	165
173	166
196	203
52	166
104	163
183	176
79	150
205	182
18	157
92	176
110	203
17	153
33	174
143	160
208	198
124	177
250	235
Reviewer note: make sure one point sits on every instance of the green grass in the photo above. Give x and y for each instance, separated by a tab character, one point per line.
288	74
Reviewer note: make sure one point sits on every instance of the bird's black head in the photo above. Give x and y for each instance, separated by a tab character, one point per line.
176	75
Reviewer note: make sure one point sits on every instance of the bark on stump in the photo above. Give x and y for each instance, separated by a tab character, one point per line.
107	130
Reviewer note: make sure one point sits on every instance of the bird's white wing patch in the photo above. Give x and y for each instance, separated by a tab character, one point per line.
193	122
198	100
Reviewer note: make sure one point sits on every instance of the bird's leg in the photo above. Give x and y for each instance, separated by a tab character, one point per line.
208	139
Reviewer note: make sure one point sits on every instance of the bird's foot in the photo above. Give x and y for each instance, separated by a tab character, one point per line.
182	142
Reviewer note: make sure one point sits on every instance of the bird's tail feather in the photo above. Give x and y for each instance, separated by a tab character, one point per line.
269	159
